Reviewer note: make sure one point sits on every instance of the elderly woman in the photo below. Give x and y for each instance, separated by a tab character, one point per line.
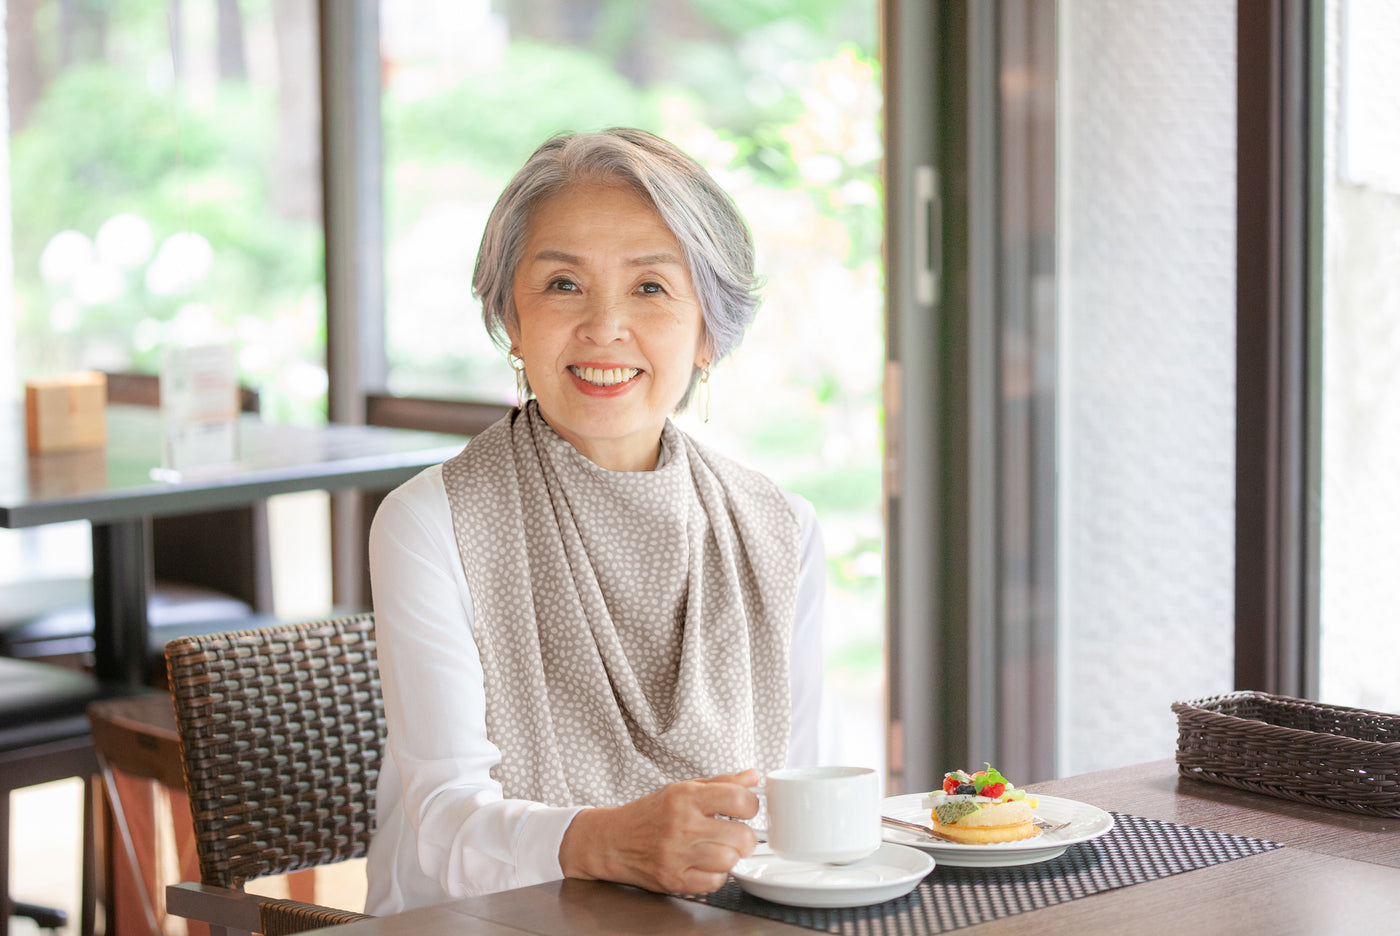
594	633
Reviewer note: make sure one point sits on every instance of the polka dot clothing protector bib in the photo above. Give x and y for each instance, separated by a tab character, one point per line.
633	627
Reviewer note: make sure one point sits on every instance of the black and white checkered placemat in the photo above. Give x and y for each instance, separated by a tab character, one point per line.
1135	850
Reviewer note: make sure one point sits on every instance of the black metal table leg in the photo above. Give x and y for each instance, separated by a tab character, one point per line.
121	582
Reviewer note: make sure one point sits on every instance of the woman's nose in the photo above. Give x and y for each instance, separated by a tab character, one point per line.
604	320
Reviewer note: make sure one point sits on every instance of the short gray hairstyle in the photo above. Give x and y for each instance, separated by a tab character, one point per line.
717	244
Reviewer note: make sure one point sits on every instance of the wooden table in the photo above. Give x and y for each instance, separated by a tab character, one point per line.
1338	869
113	488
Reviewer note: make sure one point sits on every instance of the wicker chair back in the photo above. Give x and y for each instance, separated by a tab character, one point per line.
281	735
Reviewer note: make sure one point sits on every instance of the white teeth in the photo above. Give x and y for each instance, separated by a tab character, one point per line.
605	377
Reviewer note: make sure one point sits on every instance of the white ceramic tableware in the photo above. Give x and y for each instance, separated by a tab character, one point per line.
1084	823
823	814
892	871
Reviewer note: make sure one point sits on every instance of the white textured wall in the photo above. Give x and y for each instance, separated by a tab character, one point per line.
1146	267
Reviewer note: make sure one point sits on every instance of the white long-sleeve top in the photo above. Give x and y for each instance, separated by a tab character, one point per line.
444	829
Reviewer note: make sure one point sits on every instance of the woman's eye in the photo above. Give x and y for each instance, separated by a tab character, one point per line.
562	285
651	289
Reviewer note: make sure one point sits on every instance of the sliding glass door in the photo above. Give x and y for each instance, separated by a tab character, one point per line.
1101	430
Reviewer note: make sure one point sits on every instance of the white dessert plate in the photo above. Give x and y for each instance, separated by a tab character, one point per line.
1085	822
892	871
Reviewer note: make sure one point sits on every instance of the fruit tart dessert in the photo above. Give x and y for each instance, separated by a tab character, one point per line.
981	808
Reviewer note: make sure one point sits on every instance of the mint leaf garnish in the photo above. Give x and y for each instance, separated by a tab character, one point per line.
989	776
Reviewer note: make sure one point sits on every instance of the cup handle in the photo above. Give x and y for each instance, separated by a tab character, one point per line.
762	794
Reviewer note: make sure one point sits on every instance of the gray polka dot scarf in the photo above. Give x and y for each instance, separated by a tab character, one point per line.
633	627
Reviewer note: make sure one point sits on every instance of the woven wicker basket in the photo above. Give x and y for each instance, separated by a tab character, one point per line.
1327	755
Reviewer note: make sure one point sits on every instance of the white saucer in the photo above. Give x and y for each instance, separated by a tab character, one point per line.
892	871
1085	822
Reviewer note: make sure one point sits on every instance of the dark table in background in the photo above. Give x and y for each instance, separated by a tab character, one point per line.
113	488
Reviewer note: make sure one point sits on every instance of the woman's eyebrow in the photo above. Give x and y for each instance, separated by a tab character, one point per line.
653	259
558	256
641	260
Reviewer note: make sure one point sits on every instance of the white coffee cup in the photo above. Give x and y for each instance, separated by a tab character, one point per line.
822	814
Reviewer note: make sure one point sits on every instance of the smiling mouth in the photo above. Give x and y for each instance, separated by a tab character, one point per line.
604	377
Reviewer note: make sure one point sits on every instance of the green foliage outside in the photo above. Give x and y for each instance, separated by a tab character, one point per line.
103	142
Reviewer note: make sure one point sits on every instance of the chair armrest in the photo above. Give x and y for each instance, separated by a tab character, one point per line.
235	913
228	912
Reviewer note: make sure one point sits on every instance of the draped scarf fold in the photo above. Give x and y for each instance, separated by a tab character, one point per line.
633	627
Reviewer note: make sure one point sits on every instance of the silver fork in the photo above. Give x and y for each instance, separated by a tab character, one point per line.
916	827
931	832
1044	826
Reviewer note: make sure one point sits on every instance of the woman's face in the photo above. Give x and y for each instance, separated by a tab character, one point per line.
609	322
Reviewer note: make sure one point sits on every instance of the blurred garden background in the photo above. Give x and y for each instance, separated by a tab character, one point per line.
165	188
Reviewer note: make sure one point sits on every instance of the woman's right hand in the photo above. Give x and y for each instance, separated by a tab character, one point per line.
673	841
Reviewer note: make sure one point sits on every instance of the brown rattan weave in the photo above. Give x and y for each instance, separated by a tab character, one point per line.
281	734
289	917
1327	755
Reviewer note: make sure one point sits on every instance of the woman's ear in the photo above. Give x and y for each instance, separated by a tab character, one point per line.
705	354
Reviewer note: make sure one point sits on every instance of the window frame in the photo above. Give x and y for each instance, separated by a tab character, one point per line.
1278	446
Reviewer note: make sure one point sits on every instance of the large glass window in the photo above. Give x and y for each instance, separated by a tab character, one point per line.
1361	358
164	166
1146	118
164	169
781	102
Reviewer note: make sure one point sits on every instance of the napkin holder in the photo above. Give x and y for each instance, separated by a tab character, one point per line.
198	409
1295	749
66	413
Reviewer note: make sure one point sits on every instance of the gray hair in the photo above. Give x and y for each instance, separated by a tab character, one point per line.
717	245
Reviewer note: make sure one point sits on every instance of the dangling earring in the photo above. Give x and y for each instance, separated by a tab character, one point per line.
705	394
522	386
